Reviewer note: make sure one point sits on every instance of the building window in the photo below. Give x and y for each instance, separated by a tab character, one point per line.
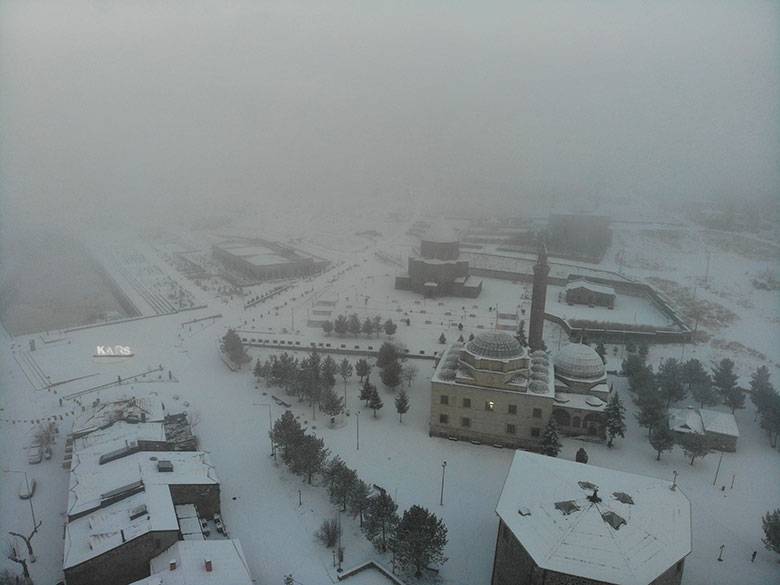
511	429
444	419
444	399
535	432
512	409
465	422
537	413
575	422
467	403
490	405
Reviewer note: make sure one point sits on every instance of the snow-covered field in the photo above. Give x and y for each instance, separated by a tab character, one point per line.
260	499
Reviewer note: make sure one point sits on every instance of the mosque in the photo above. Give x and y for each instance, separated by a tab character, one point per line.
494	389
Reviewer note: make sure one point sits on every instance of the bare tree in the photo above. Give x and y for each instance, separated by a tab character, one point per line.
13	555
28	540
408	374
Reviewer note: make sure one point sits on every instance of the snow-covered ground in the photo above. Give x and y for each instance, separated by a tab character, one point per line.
260	498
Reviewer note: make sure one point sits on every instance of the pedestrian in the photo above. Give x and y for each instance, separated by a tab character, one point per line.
753	556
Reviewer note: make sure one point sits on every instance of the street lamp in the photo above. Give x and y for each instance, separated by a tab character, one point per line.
357	418
270	427
441	497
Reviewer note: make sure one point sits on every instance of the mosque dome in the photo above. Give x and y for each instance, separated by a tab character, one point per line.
539	354
537	387
494	345
577	360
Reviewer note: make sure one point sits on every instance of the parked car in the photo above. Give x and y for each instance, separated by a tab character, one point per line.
27	489
34	455
47	453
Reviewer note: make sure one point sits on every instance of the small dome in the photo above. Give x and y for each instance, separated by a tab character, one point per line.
539	368
537	387
447	374
495	345
540	376
539	354
577	360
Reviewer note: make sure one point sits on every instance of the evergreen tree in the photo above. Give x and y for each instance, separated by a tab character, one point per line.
374	401
693	373
345	371
770	417
366	390
328	371
723	377
652	411
419	540
340	480
632	364
341	325
234	347
353	324
309	457
471	337
703	393
669	380
311	377
761	388
734	398
368	327
602	351
630	347
387	353
615	415
581	456
380	519
662	439
287	434
390	327
287	367
327	327
401	404
643	350
332	404
770	522
391	375
551	444
695	445
358	499
259	370
442	338
362	369
377	324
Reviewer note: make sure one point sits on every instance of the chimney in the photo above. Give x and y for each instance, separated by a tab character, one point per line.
207	564
172	565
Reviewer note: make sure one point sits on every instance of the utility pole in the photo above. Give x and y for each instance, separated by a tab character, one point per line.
441	497
357	418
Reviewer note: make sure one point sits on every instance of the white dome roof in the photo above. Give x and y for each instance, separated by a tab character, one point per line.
577	360
495	345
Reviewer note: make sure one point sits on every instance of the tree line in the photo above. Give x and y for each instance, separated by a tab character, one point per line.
416	539
352	325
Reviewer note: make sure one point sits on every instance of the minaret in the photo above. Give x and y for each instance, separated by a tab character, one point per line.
538	298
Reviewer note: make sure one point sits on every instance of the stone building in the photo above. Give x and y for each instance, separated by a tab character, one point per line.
492	390
438	270
262	260
582	292
567	523
581	391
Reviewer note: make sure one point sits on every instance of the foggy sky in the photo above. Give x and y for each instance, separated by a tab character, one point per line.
109	107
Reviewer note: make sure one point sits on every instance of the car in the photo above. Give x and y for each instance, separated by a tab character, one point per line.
47	453
27	489
34	455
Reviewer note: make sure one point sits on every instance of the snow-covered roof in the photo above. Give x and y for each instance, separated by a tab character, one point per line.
495	345
228	564
597	288
580	401
121	433
604	540
695	420
107	528
440	233
91	482
580	362
722	423
103	414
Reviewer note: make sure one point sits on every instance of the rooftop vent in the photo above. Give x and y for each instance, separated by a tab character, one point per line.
567	507
524	512
138	511
164	465
623	498
207	565
587	485
613	519
172	565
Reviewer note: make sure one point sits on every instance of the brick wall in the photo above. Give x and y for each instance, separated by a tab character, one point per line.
123	564
205	497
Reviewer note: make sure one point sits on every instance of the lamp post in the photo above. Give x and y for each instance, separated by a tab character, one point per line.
443	468
357	419
270	426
